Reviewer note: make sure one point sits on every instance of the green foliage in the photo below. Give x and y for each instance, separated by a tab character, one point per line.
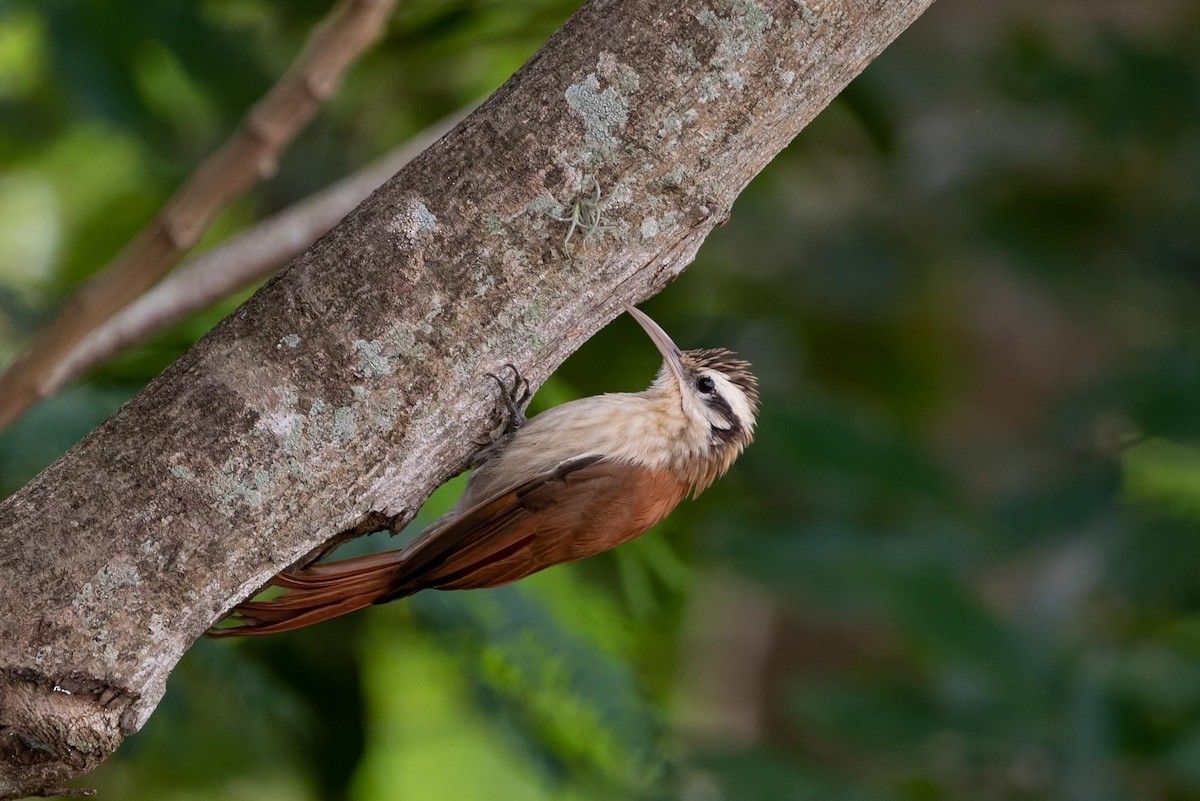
1164	476
963	558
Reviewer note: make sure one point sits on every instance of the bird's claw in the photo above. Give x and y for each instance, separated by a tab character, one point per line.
513	400
510	407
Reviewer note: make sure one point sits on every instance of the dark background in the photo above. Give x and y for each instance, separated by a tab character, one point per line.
962	561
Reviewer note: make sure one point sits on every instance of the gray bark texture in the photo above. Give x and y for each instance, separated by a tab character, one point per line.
348	388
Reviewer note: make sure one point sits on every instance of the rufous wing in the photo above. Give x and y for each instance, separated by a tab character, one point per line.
582	507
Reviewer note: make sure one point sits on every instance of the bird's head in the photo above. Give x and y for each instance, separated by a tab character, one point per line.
717	393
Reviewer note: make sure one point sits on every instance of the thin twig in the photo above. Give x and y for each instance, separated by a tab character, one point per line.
248	155
240	261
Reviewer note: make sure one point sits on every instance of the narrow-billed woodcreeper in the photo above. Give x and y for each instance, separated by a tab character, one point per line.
573	481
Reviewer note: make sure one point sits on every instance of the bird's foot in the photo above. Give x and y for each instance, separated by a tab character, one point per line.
514	398
510	408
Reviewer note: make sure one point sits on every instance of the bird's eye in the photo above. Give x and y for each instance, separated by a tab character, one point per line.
705	384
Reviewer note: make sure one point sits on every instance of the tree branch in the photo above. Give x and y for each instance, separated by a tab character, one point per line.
248	155
350	386
240	261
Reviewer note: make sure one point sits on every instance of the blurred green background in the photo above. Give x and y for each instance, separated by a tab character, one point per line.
961	562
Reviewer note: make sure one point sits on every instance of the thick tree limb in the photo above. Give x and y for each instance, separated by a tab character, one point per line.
249	154
351	385
243	260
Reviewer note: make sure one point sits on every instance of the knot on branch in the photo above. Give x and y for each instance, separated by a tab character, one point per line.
52	731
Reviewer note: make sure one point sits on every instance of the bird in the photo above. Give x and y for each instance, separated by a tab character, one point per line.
573	481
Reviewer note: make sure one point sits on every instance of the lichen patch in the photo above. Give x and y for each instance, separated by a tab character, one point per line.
740	27
603	111
371	361
413	220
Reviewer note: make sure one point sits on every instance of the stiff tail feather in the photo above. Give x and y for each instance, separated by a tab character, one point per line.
316	593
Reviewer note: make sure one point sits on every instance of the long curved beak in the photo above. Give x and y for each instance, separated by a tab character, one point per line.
668	349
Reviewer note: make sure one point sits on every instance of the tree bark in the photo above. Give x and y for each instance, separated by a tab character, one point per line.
342	393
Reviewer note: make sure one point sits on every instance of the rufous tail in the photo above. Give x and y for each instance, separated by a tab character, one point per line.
316	593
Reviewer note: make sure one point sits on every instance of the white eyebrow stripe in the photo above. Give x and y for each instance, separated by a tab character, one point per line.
733	395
